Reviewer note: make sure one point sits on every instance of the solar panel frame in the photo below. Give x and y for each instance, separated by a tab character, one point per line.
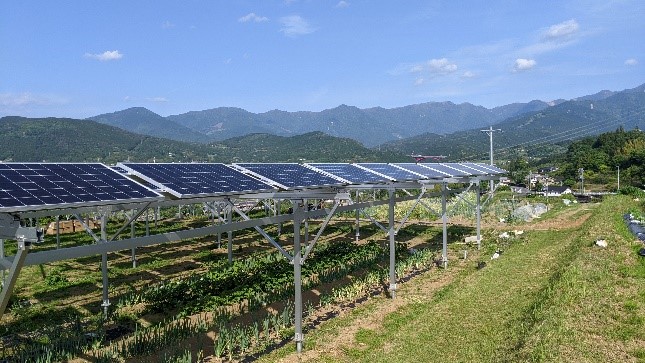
191	180
392	171
283	175
41	186
351	173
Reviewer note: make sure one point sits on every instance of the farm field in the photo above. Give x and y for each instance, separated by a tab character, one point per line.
551	296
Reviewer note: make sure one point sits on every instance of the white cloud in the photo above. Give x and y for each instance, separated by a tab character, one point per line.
295	25
416	68
562	30
442	66
342	4
523	64
252	17
108	55
419	81
468	74
631	62
167	25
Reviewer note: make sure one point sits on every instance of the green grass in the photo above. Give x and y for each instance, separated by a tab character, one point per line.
553	296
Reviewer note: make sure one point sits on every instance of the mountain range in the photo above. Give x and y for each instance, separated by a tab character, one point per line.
138	134
371	126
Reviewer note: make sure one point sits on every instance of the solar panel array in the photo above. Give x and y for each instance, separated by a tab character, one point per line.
350	172
34	186
290	175
196	179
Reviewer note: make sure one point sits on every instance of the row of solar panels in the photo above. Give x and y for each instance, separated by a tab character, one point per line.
34	186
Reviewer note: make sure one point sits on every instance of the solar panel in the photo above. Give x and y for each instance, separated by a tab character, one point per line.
35	186
350	172
196	179
391	171
447	168
476	169
119	170
421	169
290	175
493	169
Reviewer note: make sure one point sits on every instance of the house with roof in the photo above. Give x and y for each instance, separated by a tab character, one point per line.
555	191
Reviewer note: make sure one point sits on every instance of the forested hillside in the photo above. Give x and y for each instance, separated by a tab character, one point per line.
63	140
601	156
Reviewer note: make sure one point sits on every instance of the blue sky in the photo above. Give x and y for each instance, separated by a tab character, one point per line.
83	58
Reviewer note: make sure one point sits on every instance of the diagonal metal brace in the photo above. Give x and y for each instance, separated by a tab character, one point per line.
407	215
131	220
320	231
88	229
262	232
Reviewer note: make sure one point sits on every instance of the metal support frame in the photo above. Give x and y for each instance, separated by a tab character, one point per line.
479	217
358	218
260	230
311	245
297	274
444	221
14	271
391	234
104	267
229	220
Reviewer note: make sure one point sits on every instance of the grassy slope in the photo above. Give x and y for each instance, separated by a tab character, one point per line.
553	296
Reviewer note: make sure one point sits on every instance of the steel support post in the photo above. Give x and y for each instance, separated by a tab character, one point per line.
2	257
132	234
444	220
219	221
229	220
358	219
278	209
479	216
147	222
306	234
104	268
297	275
57	231
14	271
392	245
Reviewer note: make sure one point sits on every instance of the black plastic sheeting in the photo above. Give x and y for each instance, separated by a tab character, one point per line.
635	226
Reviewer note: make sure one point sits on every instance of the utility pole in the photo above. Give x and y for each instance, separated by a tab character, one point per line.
582	180
490	132
618	188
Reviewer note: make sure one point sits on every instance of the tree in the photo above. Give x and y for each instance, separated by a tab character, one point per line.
518	170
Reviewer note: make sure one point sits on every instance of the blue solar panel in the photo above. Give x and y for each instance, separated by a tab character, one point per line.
448	169
32	186
191	180
119	169
473	169
492	169
391	171
290	175
350	172
421	169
